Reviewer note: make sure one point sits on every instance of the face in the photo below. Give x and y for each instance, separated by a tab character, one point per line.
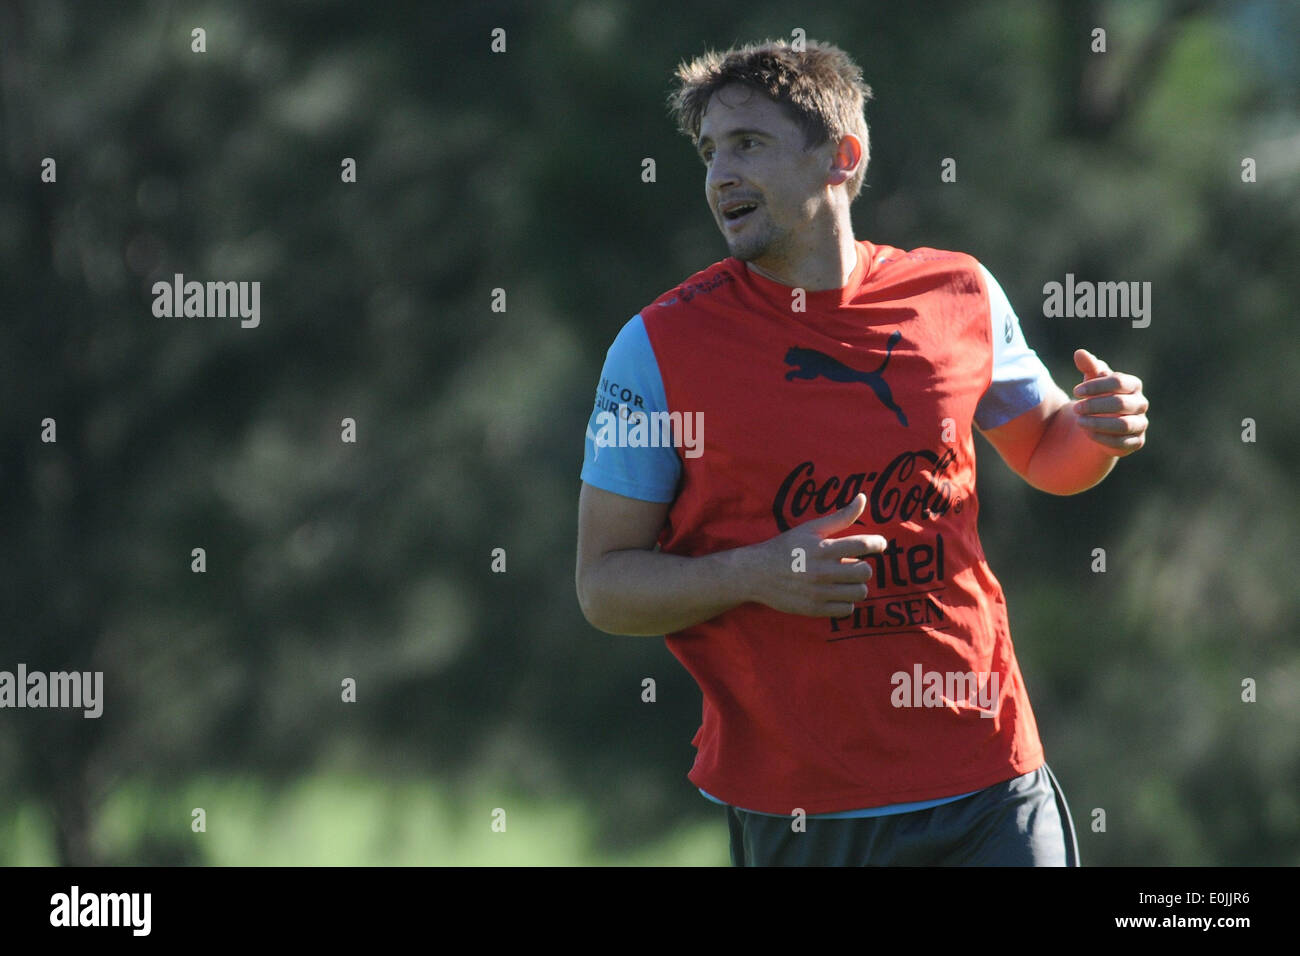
768	193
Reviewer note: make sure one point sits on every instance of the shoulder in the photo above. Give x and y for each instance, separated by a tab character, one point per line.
695	292
959	271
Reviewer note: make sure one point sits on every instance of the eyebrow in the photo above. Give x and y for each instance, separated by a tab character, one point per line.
732	134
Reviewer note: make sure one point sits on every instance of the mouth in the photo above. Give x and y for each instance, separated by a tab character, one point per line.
733	214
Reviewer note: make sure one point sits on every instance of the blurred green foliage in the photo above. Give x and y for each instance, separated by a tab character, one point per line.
521	171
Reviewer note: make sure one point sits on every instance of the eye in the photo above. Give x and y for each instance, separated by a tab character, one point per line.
748	142
705	156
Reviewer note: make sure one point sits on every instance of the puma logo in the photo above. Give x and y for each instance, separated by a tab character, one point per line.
809	363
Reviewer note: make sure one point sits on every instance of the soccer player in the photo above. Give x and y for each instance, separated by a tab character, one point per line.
779	477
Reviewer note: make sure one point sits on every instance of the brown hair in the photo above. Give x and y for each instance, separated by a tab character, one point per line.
819	86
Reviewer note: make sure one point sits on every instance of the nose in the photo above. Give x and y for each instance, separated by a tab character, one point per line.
720	173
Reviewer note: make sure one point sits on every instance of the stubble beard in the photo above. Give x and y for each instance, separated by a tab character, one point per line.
760	241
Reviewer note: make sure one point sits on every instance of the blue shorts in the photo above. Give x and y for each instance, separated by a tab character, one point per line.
1024	821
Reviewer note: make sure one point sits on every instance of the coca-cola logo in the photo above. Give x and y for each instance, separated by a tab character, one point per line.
911	487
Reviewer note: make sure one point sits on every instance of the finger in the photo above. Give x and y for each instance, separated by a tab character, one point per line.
854	545
1114	425
850	592
836	608
1120	444
839	520
1111	382
849	572
1114	404
1089	364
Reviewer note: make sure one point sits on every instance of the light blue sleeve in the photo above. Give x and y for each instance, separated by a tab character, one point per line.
1020	380
630	383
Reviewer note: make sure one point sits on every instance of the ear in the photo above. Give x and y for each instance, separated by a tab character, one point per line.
844	162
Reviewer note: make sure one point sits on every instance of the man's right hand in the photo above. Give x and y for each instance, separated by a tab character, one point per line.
834	576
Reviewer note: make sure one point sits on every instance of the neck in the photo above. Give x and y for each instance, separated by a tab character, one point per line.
825	264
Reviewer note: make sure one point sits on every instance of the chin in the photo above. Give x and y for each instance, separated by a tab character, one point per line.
750	248
748	251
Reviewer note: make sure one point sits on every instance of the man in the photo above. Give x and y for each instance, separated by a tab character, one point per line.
841	383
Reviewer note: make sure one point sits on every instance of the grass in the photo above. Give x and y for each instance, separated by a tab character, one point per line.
339	820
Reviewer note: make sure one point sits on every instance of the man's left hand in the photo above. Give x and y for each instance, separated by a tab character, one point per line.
1111	407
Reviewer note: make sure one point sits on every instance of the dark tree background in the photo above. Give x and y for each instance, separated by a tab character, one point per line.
521	170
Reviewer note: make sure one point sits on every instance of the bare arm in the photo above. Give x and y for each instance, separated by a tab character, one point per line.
626	587
1064	447
1046	448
